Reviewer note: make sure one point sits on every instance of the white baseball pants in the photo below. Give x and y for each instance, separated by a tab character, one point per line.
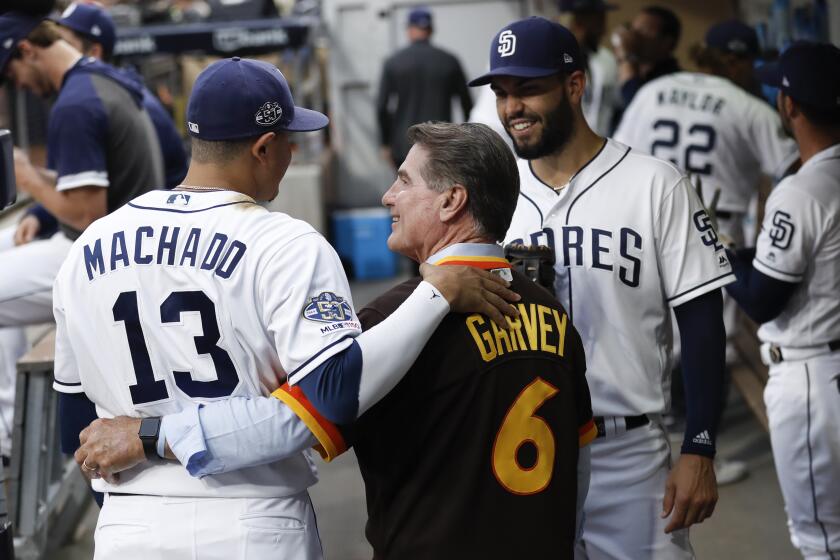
134	527
622	511
26	282
803	407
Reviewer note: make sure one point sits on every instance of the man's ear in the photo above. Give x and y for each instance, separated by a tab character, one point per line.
454	202
575	86
259	149
96	51
786	106
25	48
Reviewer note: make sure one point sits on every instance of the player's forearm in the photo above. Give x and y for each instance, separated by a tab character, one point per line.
233	434
761	297
703	347
66	207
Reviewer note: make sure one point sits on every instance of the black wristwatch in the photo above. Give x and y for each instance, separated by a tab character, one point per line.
149	430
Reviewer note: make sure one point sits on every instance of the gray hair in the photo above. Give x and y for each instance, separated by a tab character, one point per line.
472	155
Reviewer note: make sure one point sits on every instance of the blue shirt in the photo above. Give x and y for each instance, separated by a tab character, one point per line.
99	135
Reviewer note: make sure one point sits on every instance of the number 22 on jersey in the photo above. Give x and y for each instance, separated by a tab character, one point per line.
520	426
148	389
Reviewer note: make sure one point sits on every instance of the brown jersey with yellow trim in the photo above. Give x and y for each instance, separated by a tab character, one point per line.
473	455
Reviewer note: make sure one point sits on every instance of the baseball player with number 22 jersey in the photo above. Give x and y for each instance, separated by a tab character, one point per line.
632	241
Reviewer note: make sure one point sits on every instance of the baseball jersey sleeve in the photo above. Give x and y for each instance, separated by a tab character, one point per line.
692	261
587	431
77	144
308	313
775	150
66	373
788	234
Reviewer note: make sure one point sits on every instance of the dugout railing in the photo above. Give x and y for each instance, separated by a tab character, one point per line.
47	494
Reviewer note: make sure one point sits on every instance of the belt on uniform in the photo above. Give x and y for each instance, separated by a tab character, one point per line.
774	354
724	214
615	425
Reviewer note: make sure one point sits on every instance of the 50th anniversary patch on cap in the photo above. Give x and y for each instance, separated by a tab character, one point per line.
269	113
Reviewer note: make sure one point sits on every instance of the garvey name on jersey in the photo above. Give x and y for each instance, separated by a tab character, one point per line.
163	245
594	248
538	329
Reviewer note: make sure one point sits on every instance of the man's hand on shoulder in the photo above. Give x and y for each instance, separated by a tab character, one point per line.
472	290
109	446
690	493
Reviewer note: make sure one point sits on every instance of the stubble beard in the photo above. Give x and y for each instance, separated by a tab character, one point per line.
557	130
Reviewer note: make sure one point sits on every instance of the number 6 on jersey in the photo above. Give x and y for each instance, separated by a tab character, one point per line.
521	426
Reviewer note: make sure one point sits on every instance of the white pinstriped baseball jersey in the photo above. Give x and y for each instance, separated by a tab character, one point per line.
632	240
709	127
182	297
800	242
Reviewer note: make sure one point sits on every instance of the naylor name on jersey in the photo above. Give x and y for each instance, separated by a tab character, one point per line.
691	100
594	248
147	245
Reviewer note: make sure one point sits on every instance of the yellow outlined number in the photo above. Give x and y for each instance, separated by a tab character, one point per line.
520	426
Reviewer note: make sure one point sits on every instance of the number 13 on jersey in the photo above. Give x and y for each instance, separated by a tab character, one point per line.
148	389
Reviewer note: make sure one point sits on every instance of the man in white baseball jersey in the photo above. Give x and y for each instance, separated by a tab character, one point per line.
790	284
632	241
186	297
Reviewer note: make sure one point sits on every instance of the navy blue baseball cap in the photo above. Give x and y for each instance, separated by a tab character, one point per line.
733	36
92	22
420	17
585	6
238	98
532	48
14	27
807	72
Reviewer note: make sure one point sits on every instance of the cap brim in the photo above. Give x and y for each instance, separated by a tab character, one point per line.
515	71
770	74
307	120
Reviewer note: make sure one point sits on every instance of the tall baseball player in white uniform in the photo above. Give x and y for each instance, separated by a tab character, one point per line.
790	284
188	297
632	241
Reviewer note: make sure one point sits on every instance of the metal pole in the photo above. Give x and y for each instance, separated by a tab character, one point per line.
7	545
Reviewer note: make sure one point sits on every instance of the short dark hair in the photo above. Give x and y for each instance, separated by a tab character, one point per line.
671	26
472	155
819	116
218	151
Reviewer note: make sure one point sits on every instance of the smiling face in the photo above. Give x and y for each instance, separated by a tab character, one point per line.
536	113
415	209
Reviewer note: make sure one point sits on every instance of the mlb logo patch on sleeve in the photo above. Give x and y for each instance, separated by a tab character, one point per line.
330	308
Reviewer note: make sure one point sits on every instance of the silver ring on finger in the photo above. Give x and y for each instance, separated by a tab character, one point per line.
88	467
